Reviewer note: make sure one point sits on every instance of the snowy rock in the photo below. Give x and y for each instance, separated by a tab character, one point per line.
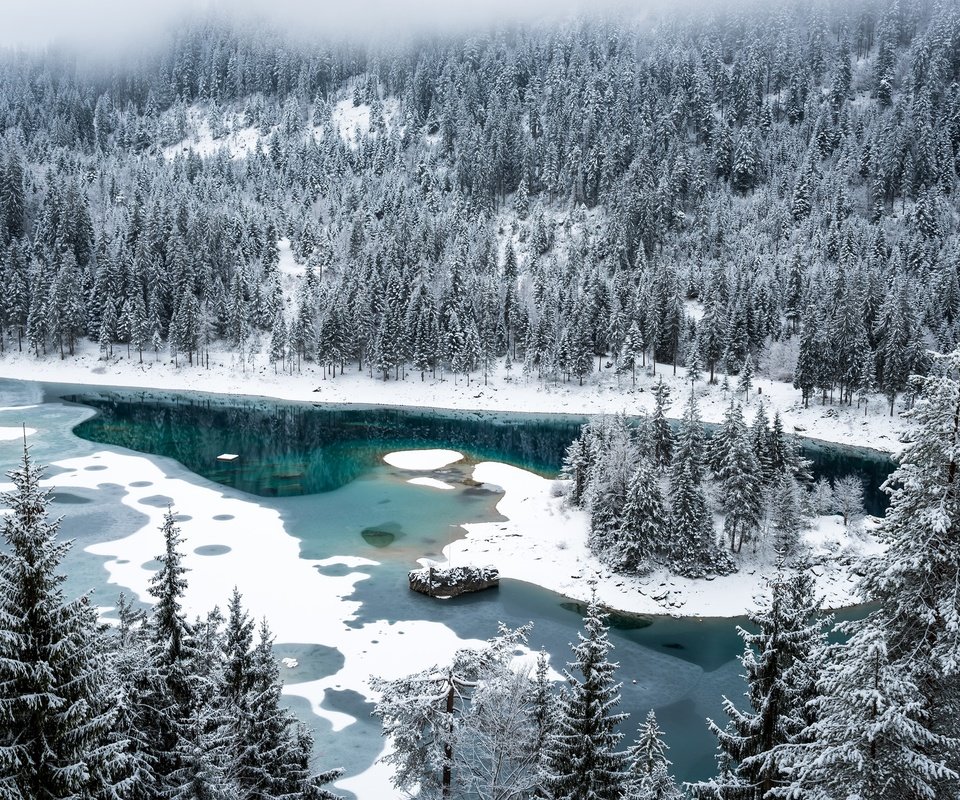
453	581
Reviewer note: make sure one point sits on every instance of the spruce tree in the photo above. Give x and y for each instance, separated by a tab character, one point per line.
643	528
584	761
915	580
779	659
649	777
871	734
55	711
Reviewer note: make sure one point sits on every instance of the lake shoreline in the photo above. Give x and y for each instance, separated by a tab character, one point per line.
603	392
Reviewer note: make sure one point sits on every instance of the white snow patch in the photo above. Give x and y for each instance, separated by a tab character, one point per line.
431	482
422	460
290	663
239	142
12	433
353	122
287	264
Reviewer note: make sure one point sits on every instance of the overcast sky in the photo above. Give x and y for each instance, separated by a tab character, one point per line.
104	22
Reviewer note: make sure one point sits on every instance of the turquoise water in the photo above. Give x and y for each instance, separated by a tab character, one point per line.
299	448
321	469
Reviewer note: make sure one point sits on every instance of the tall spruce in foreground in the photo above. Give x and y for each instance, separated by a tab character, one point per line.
584	761
55	717
913	640
871	735
778	659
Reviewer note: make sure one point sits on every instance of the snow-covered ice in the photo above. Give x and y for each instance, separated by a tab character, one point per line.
433	483
8	434
422	460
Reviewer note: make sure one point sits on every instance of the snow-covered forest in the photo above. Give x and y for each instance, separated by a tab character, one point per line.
718	189
711	194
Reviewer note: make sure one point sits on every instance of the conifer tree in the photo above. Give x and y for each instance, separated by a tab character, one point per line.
649	776
661	433
55	711
780	663
584	761
643	529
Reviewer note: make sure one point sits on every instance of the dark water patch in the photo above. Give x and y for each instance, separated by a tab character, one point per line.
95	467
334	570
222	517
182	517
153	565
140	484
382	535
212	550
674	646
314	661
68	498
156	500
615	619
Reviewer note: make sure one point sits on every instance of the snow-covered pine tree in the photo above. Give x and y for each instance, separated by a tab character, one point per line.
423	716
693	549
584	761
171	648
916	580
55	706
644	531
649	775
136	687
661	434
780	660
738	478
870	736
275	751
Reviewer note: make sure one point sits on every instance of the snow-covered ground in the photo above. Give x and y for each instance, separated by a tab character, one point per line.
543	541
602	392
352	123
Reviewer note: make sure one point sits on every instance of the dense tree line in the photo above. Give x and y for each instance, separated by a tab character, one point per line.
652	492
696	189
155	706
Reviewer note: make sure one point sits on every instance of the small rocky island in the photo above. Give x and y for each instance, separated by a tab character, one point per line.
453	581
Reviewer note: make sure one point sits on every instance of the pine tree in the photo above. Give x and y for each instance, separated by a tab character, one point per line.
746	377
172	648
779	660
871	736
55	713
916	579
649	777
643	529
661	433
739	479
584	761
693	550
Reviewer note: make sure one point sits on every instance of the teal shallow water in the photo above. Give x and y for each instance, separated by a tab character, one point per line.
321	469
